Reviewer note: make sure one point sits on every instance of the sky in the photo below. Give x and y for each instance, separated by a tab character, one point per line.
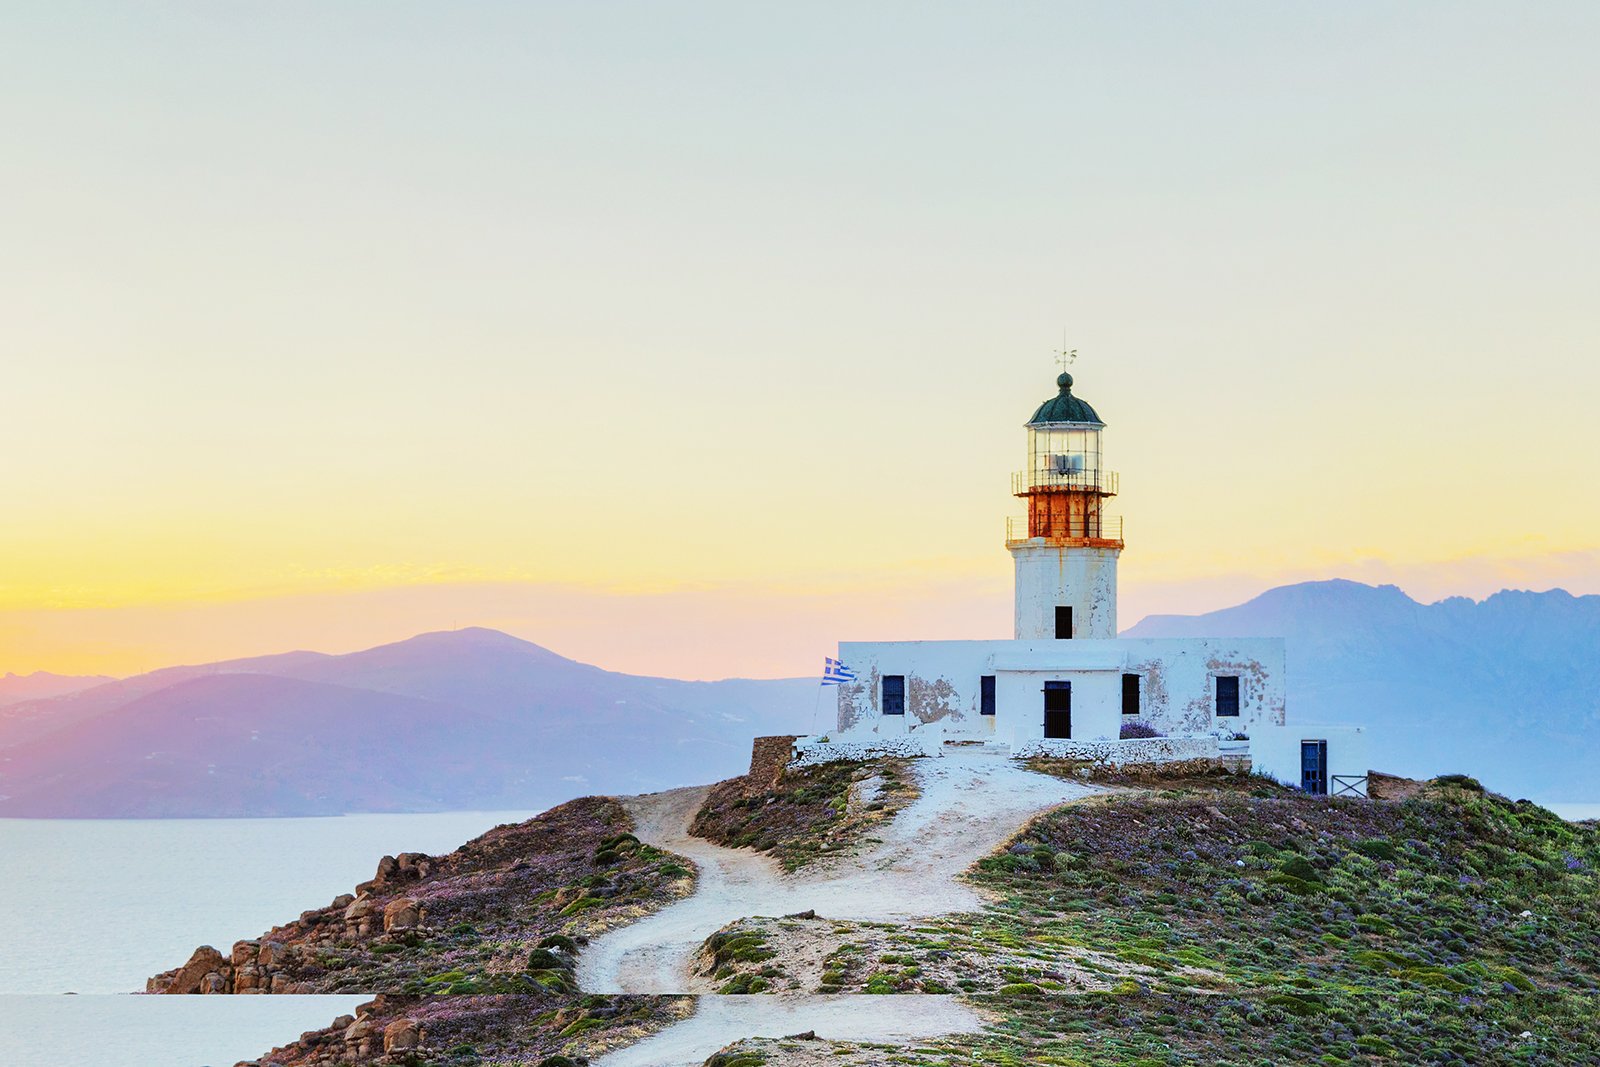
691	339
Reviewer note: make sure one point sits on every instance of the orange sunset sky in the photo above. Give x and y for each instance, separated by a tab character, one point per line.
690	341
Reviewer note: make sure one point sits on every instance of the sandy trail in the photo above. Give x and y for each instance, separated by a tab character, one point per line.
720	1021
971	802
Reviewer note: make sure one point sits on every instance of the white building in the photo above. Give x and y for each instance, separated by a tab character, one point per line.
1066	684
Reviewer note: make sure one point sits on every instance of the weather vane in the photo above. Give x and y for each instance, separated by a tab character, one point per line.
1065	356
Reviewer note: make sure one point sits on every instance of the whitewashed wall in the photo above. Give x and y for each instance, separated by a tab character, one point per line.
1275	750
1083	578
941	684
1096	703
1177	689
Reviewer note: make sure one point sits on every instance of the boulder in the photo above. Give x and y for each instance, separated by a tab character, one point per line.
415	865
1382	786
247	979
272	955
361	914
401	914
359	908
362	1038
388	867
244	952
214	983
206	960
401	1034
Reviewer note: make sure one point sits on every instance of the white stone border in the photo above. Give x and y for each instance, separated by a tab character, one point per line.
810	751
1120	753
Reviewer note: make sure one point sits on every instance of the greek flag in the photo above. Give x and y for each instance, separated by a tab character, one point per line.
834	672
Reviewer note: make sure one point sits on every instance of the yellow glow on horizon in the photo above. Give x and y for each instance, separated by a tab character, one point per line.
701	326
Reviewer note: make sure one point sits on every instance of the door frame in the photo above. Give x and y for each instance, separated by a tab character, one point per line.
1057	686
1320	747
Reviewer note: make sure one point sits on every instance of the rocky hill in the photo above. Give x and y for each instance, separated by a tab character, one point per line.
1211	919
464	719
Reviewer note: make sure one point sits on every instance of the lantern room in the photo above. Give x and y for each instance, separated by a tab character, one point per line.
1065	482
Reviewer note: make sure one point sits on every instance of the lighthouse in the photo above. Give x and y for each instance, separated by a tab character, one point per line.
1066	555
1065	685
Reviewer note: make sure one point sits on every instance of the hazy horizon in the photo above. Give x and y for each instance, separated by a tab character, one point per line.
590	643
705	334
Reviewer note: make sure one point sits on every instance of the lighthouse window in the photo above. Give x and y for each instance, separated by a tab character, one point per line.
1063	623
986	695
894	694
1130	694
1227	694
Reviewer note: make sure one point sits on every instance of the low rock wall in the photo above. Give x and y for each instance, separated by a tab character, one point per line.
1133	752
809	754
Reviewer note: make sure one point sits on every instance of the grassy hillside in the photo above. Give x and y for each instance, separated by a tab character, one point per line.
1226	928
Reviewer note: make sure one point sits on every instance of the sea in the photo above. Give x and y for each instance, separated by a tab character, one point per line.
90	908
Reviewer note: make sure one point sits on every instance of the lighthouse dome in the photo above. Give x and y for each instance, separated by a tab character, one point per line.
1065	407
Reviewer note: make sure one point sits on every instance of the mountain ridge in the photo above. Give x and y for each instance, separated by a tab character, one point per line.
450	719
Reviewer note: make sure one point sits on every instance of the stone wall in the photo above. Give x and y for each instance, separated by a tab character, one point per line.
1121	754
815	752
768	757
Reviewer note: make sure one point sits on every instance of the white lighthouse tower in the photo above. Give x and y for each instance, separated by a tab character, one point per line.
1064	685
1066	558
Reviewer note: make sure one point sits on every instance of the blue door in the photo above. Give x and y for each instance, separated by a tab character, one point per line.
1314	767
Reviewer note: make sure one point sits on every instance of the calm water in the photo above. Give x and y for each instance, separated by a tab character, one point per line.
110	1031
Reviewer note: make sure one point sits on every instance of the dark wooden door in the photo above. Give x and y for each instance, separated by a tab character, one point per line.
1058	709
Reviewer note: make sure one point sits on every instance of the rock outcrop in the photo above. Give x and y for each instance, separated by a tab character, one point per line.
461	923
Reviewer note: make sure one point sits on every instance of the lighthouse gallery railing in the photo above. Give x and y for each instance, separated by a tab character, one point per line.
1093	481
1091	528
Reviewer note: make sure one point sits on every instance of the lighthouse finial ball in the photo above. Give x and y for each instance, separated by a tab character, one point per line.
1065	381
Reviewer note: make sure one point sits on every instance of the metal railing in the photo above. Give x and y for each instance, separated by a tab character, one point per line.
1349	785
1089	481
1069	528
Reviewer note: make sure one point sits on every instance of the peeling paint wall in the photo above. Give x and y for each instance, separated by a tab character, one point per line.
1177	688
1154	703
941	685
1084	579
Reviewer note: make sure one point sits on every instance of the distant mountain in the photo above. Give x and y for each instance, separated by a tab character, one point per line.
461	719
1506	689
39	685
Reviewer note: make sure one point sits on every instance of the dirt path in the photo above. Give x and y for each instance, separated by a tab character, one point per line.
720	1021
971	802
